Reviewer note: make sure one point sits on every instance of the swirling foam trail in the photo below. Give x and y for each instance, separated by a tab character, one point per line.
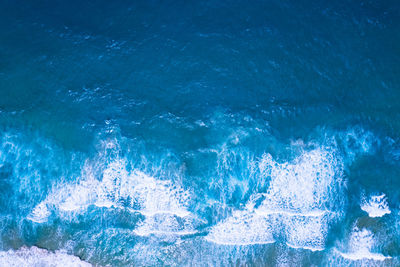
39	257
298	205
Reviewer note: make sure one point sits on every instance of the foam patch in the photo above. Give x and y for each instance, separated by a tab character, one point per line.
160	201
301	200
34	256
376	206
242	228
360	247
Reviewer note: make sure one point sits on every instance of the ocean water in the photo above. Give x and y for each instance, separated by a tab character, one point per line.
199	133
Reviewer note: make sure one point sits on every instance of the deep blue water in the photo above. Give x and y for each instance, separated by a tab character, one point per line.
200	133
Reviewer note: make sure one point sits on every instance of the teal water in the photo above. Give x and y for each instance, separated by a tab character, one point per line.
199	133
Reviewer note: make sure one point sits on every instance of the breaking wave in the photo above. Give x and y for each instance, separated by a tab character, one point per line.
163	203
361	249
241	202
376	206
35	256
302	198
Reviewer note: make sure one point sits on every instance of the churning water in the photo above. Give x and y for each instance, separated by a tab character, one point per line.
199	133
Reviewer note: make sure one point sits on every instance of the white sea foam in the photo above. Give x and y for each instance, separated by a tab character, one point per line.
39	214
242	228
304	185
376	206
364	256
144	193
160	201
33	256
361	244
297	206
307	232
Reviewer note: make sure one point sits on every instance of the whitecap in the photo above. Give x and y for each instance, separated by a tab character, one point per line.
161	202
143	193
302	198
35	256
376	206
364	256
40	213
360	247
242	228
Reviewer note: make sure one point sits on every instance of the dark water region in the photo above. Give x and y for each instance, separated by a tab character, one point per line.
200	133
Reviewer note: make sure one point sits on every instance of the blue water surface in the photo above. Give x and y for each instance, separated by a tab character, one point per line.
200	133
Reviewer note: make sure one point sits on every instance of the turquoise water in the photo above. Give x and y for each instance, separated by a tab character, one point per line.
199	133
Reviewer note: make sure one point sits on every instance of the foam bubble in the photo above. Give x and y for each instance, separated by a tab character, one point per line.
376	206
35	256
